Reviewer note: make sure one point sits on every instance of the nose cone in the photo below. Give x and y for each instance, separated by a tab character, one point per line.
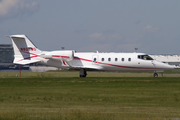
162	66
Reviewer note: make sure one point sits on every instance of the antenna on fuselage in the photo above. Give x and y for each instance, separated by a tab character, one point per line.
62	48
96	51
136	49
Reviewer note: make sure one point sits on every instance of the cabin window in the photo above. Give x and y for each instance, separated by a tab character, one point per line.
116	59
129	59
94	59
102	59
122	59
109	59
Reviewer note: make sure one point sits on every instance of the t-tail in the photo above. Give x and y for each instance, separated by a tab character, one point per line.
25	52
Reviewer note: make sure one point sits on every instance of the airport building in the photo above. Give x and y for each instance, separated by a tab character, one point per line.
6	53
173	60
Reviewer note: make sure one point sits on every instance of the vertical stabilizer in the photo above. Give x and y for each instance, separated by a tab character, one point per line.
25	51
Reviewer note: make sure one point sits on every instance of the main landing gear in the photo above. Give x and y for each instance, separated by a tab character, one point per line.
82	73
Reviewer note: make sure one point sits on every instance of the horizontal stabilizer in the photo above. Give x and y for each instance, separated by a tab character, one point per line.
23	62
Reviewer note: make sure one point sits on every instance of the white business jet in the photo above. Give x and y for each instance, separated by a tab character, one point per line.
26	52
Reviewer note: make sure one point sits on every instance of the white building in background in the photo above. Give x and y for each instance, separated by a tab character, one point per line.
169	59
42	68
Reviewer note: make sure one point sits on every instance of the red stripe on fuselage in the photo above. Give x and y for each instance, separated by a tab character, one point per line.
77	58
123	66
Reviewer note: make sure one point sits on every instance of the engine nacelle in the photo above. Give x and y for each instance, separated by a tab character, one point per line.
67	55
46	56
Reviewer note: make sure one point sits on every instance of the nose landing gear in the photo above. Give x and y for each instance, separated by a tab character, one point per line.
155	75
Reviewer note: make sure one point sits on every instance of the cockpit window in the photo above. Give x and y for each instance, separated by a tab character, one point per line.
145	57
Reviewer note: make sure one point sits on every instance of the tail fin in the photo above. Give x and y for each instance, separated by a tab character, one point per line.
25	51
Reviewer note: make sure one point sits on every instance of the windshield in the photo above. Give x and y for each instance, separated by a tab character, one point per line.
145	57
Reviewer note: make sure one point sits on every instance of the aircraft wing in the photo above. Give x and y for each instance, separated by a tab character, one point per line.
89	68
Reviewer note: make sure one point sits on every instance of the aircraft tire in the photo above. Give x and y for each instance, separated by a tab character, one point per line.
82	75
155	75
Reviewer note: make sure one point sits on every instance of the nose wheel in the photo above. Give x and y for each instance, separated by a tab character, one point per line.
155	75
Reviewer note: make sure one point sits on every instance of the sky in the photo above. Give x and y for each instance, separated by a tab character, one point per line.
152	26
